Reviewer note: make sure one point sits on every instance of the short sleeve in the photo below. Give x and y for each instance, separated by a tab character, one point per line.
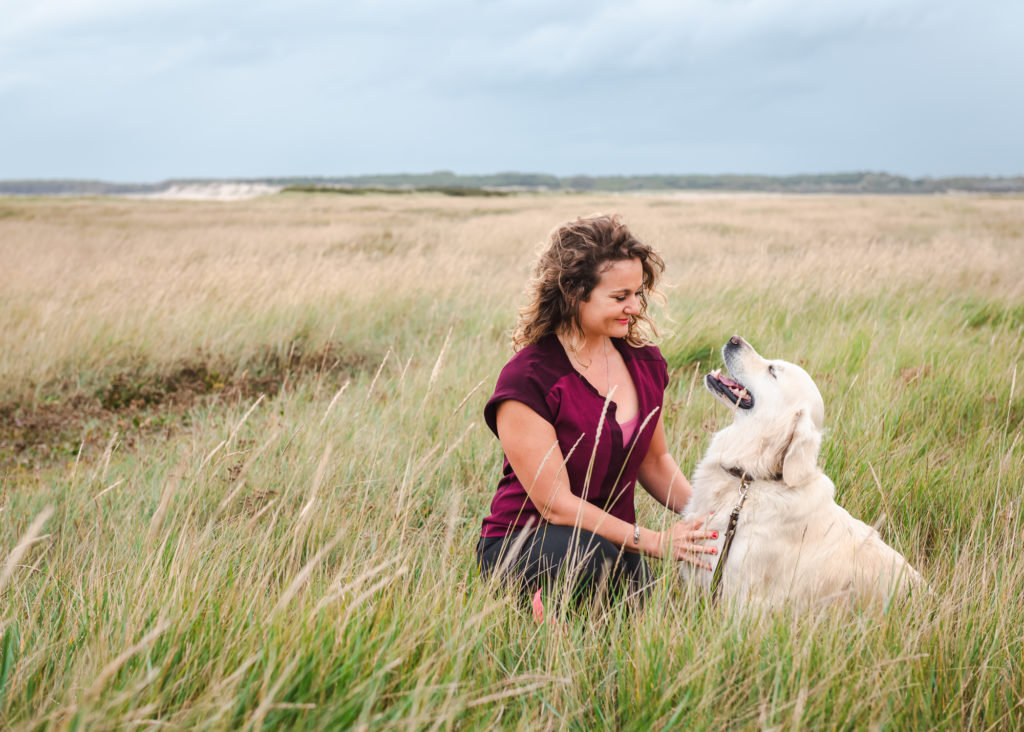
519	382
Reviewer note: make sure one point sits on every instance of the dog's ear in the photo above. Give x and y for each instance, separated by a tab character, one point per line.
800	460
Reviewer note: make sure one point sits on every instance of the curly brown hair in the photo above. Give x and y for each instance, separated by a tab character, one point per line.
568	270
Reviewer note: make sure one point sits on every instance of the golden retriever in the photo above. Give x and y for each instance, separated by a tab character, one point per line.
792	542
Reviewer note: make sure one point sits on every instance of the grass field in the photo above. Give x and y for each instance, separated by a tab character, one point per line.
244	463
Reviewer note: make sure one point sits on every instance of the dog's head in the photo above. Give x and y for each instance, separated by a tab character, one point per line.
778	413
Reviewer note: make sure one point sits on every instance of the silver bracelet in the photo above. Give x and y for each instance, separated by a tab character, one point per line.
636	534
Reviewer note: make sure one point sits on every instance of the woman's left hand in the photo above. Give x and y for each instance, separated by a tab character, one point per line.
684	541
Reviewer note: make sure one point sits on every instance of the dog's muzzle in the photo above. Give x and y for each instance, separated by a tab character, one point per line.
734	391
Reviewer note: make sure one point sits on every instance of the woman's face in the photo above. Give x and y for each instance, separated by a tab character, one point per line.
614	301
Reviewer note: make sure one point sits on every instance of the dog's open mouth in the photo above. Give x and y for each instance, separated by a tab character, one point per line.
734	391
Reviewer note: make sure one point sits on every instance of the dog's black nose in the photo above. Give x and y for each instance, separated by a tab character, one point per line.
735	340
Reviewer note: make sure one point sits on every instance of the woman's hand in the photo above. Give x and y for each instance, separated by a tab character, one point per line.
684	541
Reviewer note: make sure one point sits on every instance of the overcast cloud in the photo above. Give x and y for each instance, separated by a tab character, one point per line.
144	91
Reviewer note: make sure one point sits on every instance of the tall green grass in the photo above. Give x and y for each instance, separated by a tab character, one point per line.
305	559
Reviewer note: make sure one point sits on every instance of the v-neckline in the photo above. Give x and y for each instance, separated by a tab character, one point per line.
627	362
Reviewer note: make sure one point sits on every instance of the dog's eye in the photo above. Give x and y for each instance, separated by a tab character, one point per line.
771	370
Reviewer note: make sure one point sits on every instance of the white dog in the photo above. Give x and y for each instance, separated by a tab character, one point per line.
790	541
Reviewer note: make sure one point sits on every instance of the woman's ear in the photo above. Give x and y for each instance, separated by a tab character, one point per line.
800	460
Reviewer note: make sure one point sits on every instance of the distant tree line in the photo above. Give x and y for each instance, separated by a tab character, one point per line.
453	184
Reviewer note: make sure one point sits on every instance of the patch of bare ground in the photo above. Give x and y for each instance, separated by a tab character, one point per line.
68	422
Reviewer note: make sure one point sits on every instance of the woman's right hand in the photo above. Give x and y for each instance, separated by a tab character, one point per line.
684	541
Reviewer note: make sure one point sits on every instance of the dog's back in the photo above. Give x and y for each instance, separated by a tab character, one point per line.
795	546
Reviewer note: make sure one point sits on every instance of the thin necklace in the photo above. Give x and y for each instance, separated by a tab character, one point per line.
607	370
607	367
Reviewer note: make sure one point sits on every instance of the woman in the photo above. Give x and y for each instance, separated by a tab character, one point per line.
578	413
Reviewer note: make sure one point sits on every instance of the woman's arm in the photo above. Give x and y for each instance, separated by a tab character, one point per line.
531	446
660	476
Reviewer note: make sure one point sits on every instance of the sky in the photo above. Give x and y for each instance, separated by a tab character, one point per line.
147	90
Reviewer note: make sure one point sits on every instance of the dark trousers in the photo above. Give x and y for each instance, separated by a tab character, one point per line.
593	565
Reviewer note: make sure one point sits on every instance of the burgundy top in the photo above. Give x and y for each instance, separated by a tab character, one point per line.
541	377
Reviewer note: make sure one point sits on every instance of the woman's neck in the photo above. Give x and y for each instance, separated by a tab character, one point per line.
590	348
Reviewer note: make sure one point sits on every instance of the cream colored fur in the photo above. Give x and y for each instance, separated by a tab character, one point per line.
793	542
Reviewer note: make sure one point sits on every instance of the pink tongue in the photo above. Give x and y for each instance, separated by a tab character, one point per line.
729	382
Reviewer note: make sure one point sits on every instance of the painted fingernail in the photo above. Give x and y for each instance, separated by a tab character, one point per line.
714	550
714	534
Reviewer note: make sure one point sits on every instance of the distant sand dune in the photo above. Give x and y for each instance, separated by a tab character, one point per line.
212	191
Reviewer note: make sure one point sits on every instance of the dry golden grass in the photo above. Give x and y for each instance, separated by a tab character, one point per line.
92	283
304	559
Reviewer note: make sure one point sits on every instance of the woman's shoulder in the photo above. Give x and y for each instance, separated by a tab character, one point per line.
541	360
536	368
646	352
529	377
649	363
